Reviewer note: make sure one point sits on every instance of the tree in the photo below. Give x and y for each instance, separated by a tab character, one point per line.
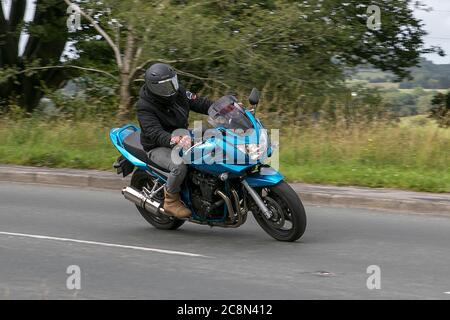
440	110
296	49
126	26
20	81
289	44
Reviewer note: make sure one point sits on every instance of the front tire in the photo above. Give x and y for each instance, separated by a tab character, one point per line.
288	221
141	179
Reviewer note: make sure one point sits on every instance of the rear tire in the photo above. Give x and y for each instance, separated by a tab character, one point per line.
287	209
141	179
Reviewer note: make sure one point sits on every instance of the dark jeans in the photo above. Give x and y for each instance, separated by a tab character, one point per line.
162	157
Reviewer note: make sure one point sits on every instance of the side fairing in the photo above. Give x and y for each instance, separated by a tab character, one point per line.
117	135
264	178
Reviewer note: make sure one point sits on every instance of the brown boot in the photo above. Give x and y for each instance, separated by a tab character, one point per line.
173	205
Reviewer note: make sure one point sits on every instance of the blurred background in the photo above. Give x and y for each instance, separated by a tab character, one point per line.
361	96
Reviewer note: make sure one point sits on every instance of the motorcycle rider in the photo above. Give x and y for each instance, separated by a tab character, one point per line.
162	108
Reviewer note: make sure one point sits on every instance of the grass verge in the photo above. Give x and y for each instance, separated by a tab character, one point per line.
406	156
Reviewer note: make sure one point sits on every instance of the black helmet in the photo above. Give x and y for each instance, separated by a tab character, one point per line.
161	79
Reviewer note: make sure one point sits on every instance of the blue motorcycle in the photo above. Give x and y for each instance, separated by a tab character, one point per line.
227	178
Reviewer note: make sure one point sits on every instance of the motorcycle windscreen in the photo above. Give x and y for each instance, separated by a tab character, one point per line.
227	113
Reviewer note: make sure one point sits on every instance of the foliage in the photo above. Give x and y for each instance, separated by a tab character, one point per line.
426	75
84	98
441	109
297	49
22	76
429	76
408	102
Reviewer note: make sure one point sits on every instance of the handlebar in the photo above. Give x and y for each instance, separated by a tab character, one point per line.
195	145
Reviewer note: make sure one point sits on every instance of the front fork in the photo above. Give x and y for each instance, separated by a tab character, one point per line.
259	202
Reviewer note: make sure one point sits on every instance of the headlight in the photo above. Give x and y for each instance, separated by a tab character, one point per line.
253	150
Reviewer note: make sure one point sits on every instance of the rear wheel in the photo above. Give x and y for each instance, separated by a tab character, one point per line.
288	221
141	180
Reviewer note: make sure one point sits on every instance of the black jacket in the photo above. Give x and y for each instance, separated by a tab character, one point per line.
159	117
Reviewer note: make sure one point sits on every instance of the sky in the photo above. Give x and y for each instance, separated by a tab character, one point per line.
437	24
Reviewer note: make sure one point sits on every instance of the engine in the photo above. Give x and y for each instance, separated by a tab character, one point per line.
204	199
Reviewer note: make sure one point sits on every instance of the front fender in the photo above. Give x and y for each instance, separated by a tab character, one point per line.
265	178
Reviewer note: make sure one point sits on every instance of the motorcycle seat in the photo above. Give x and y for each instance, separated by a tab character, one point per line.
132	143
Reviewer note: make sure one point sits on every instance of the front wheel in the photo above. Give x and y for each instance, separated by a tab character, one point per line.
288	220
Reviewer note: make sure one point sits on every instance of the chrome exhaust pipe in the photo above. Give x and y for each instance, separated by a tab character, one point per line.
142	201
232	211
227	203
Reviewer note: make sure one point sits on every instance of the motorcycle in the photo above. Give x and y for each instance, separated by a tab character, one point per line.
227	179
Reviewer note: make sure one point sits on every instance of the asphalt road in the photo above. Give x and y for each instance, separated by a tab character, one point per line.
43	230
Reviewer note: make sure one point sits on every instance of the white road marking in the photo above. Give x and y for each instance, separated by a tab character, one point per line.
448	292
104	244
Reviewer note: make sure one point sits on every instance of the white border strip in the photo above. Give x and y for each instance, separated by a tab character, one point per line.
104	244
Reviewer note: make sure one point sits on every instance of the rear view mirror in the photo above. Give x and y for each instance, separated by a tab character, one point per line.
254	97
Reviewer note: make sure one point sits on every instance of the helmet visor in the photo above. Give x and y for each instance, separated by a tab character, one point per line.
165	88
